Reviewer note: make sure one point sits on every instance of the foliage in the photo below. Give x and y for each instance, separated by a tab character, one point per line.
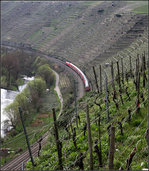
14	65
133	136
11	112
29	100
38	62
10	65
46	73
36	88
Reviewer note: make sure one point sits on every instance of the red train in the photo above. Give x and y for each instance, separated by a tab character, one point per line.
81	74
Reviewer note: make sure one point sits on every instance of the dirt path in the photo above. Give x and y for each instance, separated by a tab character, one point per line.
57	89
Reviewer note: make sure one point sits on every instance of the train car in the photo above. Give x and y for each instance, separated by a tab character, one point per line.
81	74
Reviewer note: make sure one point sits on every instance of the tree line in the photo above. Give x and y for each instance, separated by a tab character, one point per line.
17	63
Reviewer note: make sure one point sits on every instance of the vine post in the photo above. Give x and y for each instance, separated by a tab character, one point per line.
112	147
100	79
96	79
58	143
89	138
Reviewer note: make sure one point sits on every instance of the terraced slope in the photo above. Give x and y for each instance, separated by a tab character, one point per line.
131	138
34	22
85	33
78	31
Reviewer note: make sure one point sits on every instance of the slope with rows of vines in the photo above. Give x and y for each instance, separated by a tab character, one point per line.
124	111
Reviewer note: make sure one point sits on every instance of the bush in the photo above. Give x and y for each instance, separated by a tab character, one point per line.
136	123
46	73
118	15
100	11
11	111
37	87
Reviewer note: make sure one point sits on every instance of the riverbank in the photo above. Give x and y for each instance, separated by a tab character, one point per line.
41	122
8	96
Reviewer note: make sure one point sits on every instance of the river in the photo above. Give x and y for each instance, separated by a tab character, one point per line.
7	97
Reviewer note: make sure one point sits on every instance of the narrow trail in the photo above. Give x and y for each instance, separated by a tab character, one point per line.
57	89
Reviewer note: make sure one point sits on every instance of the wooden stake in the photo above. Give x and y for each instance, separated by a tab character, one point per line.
106	93
136	73
118	73
74	137
112	74
122	71
100	79
138	92
130	66
96	79
112	148
100	154
75	97
138	63
143	68
58	143
89	138
26	136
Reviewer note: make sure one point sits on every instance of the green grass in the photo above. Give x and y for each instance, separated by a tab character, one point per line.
49	101
35	35
134	132
142	9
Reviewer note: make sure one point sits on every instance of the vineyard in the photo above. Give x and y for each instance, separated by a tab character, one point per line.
138	46
118	101
107	127
110	130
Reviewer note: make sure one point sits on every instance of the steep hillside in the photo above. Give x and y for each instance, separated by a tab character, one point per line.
127	114
78	31
90	34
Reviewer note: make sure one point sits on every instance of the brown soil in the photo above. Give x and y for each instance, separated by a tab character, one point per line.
39	120
43	115
37	123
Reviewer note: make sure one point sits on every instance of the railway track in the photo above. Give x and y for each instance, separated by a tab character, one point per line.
16	163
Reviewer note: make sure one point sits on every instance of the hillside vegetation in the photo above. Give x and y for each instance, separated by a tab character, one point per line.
127	99
34	99
87	34
15	64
